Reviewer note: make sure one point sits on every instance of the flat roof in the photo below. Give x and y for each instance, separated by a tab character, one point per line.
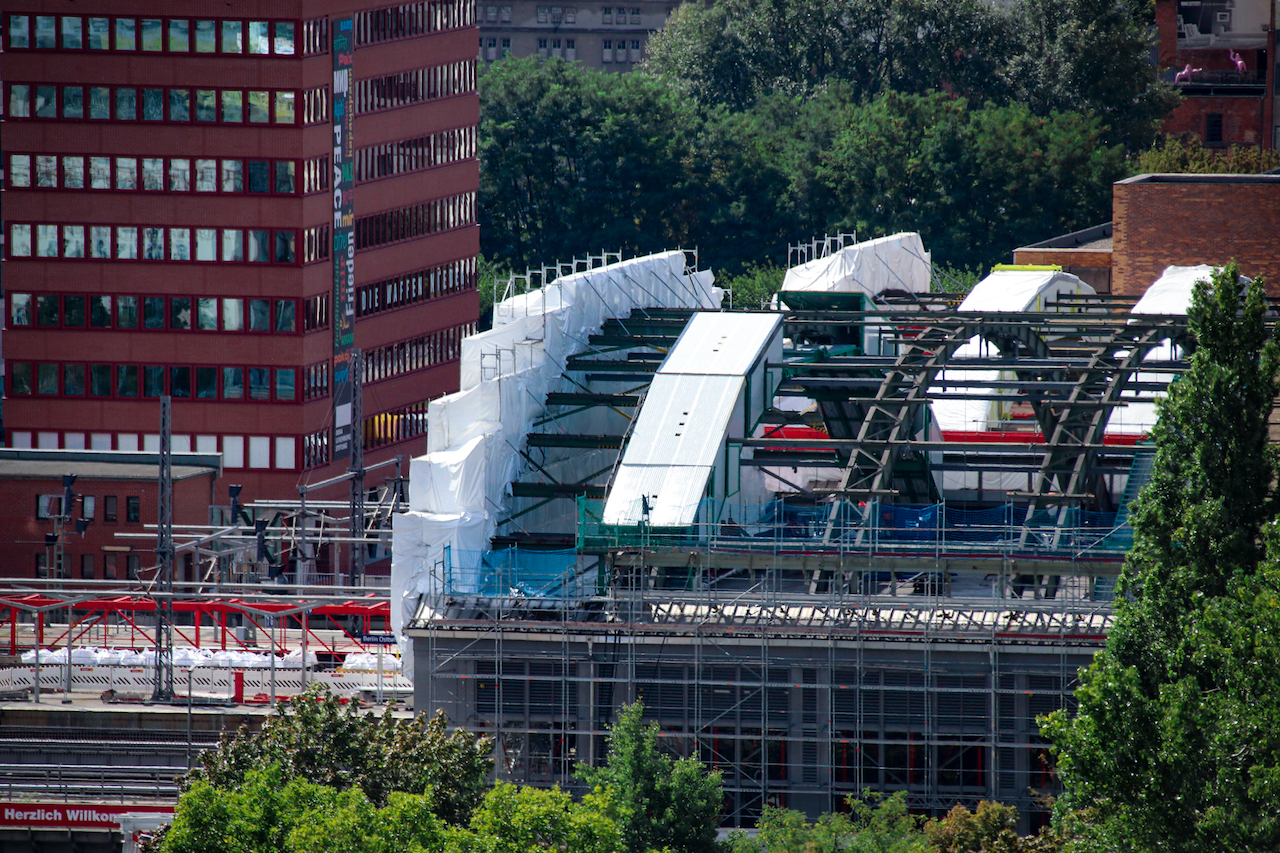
1095	238
1164	178
36	464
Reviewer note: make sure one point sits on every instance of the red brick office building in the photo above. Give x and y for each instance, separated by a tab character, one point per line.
218	202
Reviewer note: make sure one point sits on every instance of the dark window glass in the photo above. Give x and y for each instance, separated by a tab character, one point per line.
285	176
284	39
100	380
180	382
259	246
233	106
100	312
232	383
232	36
73	379
259	315
73	102
206	383
152	34
179	313
153	381
285	378
285	247
20	309
46	379
127	312
179	36
206	105
20	377
153	312
73	310
153	104
99	34
259	176
127	380
46	101
179	105
86	566
45	31
133	509
72	32
206	37
1212	127
259	383
126	104
259	103
110	508
19	31
207	314
47	310
99	102
126	34
285	320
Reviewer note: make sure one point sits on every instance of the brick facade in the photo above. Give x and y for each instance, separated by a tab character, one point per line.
1163	220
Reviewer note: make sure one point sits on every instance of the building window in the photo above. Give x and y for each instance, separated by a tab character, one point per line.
606	15
1213	128
86	566
132	510
570	14
109	567
109	508
607	51
635	16
543	15
133	564
504	15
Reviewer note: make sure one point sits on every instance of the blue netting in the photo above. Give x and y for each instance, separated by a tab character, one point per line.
511	572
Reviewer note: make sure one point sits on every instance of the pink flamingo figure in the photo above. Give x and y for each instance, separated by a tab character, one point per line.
1184	76
1238	60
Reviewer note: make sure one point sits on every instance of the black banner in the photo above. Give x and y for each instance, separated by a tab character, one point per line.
344	247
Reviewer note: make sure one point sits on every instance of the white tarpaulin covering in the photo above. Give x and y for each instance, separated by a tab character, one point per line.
1003	290
460	488
897	262
1169	295
681	429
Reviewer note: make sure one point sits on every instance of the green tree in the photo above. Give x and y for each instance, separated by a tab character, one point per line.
574	161
1176	743
270	814
872	825
662	804
522	820
321	739
754	287
1189	155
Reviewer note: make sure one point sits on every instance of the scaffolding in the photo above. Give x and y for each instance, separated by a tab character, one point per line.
874	633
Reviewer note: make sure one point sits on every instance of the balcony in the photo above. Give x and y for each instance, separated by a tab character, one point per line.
1250	83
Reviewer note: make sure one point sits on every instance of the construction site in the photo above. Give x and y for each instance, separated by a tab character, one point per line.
859	541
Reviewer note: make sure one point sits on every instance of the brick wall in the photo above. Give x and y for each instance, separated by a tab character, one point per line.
1241	118
1163	220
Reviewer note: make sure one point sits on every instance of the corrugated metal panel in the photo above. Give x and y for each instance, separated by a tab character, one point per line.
674	492
721	343
683	420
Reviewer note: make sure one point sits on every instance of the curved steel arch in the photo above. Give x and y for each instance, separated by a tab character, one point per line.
893	412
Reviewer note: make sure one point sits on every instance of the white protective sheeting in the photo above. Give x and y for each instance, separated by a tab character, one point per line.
897	262
460	488
1169	295
1003	290
680	432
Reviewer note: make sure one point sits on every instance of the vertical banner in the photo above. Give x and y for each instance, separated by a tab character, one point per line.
344	246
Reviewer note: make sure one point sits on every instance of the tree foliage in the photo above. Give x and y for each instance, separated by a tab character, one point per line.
269	813
1050	55
318	738
662	803
1189	155
1176	744
871	825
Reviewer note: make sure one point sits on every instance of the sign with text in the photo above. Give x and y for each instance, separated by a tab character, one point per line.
74	815
344	246
378	639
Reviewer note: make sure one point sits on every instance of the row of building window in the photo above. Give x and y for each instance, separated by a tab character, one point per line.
395	426
50	506
417	286
413	87
153	174
412	155
111	565
128	103
415	354
315	380
416	220
206	36
610	53
315	312
160	313
182	382
132	242
408	20
238	451
620	18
